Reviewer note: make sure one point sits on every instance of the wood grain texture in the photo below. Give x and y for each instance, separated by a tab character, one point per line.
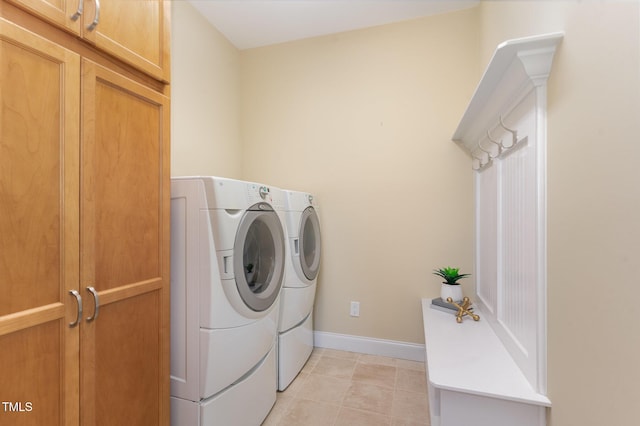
136	32
58	12
39	227
124	216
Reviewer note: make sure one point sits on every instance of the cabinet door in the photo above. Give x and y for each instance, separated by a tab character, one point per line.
125	198
39	229
135	31
63	13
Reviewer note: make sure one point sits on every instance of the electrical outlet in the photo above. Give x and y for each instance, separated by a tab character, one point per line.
355	309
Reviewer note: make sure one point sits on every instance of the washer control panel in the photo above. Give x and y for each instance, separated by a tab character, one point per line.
257	193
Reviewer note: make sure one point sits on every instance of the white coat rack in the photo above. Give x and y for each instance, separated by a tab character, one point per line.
517	67
504	126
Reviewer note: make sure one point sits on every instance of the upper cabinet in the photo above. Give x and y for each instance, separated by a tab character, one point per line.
136	32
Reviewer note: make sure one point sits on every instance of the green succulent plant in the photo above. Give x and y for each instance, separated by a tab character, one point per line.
450	275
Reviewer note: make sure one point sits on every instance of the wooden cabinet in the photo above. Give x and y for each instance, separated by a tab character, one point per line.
84	218
39	229
136	32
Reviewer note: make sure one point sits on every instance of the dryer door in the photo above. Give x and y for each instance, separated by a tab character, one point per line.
259	257
309	243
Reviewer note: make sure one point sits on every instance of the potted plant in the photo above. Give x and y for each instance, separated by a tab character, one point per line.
450	286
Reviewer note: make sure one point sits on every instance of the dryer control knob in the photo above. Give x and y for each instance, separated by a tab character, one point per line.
264	192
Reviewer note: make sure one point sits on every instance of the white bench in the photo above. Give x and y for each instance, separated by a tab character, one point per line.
472	378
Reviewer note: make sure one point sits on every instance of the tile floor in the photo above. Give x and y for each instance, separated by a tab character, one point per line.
338	388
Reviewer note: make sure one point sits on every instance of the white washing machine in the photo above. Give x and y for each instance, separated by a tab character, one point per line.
227	268
295	327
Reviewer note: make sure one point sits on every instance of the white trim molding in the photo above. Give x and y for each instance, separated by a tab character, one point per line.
504	129
369	345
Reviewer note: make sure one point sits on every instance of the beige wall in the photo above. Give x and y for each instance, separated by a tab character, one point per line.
205	132
593	202
364	121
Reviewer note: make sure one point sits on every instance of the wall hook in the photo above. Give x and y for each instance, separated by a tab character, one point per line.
489	151
482	156
500	146
476	162
514	133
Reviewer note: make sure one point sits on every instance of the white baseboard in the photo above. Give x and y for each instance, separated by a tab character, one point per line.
368	345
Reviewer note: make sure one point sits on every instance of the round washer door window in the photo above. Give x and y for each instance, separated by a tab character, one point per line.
259	257
309	243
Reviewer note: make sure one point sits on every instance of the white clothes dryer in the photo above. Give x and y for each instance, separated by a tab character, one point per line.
295	327
227	269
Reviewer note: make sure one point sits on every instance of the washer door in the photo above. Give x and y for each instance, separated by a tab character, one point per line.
259	257
309	243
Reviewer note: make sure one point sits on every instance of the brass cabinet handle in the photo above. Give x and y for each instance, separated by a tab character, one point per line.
96	18
78	13
96	302
79	315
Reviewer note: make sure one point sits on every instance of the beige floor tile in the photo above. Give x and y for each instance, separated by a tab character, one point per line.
283	400
279	409
335	367
272	419
309	413
379	375
350	389
324	388
377	360
352	417
333	353
312	361
411	380
410	365
410	405
368	397
297	383
408	422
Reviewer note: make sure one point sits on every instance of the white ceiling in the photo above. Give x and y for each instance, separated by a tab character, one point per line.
255	23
